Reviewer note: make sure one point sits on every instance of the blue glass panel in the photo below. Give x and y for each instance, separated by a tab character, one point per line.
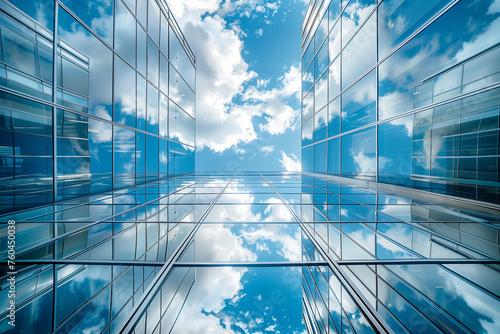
320	125
361	52
98	15
89	51
358	154
141	103
124	94
142	47
358	103
334	156
334	118
307	159
125	31
124	157
395	151
399	19
154	21
320	157
152	110
40	10
140	172
308	132
152	158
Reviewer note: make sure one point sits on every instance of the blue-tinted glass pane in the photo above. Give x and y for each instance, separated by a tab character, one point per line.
124	94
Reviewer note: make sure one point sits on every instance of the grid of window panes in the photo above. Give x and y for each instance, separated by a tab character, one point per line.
156	258
375	236
403	92
123	109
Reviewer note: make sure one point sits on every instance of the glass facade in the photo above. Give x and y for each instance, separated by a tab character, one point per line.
94	96
223	253
403	92
400	126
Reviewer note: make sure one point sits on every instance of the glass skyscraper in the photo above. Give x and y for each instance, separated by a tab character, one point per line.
392	227
400	106
84	118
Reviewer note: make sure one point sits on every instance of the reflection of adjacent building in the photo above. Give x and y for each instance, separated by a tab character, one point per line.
456	143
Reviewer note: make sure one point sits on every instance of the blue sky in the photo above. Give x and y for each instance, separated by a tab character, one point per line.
248	81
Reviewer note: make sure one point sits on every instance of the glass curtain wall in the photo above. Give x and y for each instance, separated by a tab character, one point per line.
94	96
403	92
253	252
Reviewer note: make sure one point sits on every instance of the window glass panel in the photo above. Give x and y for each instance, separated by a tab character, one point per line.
124	157
19	52
307	159
163	116
321	92
140	158
395	150
308	56
181	126
152	158
41	11
153	62
321	33
308	132
307	80
141	102
359	154
142	46
321	61
334	157
360	54
334	79
164	65
89	50
100	137
163	154
98	15
334	42
152	111
125	30
308	106
481	71
411	71
320	157
180	92
154	21
334	118
399	19
320	125
124	95
354	15
358	103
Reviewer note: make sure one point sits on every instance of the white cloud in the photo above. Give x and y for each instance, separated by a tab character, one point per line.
263	82
290	163
259	32
222	75
267	149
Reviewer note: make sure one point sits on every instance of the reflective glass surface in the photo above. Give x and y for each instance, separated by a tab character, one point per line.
413	71
280	250
111	68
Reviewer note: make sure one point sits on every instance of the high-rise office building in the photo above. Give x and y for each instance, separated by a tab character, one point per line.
403	92
94	96
401	100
